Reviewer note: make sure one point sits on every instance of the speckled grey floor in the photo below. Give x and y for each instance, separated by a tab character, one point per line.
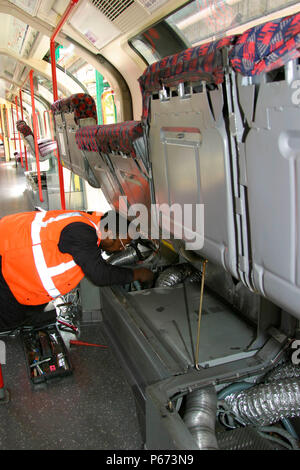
92	409
13	196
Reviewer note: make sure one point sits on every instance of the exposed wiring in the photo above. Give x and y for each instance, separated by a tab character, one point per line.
265	430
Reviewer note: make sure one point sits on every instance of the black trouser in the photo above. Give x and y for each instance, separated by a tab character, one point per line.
13	314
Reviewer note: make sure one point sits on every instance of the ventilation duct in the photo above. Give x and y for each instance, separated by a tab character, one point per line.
126	14
112	8
95	25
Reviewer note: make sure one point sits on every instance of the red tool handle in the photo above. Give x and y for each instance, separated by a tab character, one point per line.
67	325
83	343
1	378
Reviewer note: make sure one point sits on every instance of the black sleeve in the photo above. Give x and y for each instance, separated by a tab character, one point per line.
80	241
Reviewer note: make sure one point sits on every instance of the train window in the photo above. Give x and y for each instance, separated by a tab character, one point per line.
207	19
201	20
157	42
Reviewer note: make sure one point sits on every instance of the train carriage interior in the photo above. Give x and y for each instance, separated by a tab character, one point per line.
182	116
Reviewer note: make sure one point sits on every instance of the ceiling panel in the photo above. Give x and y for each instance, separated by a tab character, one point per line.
17	33
30	6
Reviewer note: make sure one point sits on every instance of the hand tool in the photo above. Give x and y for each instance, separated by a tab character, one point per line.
83	343
68	325
37	363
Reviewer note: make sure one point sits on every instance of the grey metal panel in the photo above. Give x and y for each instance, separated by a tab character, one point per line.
172	316
62	142
236	131
71	156
272	152
128	335
194	167
133	182
102	171
75	154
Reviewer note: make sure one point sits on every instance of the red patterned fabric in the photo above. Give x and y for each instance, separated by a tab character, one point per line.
86	138
194	64
23	128
111	137
267	47
260	49
81	104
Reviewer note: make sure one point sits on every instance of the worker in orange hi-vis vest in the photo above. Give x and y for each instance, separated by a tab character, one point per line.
45	254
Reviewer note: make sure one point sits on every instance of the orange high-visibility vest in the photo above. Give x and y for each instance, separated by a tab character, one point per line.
32	265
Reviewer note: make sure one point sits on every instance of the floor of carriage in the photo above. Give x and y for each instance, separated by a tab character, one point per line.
94	408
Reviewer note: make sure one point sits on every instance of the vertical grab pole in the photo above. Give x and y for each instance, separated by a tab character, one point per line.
36	147
45	123
63	19
4	393
8	129
50	114
22	117
13	123
20	143
2	390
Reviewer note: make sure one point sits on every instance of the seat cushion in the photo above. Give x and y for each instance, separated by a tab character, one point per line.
119	137
23	128
81	104
86	138
267	47
110	138
196	63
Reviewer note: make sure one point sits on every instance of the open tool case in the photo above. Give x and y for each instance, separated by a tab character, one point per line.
46	354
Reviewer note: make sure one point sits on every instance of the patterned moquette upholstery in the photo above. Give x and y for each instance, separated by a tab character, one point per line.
81	104
196	63
267	47
110	138
23	128
260	49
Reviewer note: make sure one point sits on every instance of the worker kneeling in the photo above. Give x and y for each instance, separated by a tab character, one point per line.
44	255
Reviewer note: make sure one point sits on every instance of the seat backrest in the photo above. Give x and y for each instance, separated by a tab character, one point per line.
46	147
124	144
234	148
70	114
267	47
99	162
183	105
269	151
117	156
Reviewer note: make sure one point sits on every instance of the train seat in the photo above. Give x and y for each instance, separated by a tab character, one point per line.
47	147
266	87
223	132
122	167
100	163
70	114
183	108
126	147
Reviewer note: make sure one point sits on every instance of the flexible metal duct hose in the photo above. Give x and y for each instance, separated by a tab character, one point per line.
283	371
247	438
267	403
176	274
173	275
200	417
124	258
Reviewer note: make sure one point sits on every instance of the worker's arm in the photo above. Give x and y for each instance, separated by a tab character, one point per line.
80	241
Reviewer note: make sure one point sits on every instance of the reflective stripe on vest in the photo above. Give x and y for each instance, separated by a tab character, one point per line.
45	273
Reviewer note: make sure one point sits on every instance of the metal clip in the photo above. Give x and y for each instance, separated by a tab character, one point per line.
163	94
182	93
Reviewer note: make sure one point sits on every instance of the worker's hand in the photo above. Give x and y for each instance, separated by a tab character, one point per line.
143	275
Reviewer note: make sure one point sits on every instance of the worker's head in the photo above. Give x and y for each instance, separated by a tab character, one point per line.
114	232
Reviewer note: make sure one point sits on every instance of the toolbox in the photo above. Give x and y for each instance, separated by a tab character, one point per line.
46	355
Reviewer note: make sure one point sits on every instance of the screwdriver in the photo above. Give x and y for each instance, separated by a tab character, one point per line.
83	343
68	325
